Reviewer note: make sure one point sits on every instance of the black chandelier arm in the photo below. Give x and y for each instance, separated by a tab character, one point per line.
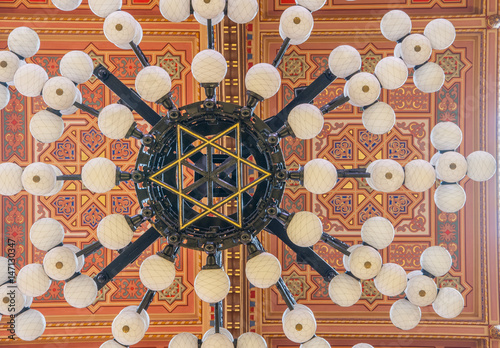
353	173
281	52
335	243
139	54
210	35
129	255
88	109
306	96
307	254
335	103
285	293
128	96
89	249
146	301
218	316
69	177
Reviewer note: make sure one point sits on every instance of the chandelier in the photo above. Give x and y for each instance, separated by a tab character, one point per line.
211	175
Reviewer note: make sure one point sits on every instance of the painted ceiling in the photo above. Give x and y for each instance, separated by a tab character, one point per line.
469	98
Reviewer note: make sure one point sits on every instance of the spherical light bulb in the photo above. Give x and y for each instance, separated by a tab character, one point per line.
345	258
10	179
4	96
385	175
212	285
209	66
446	136
377	232
9	63
73	109
59	93
450	198
421	291
345	290
99	175
306	121
362	345
66	5
184	340
311	5
152	83
46	233
405	315
296	23
137	37
320	176
395	25
441	33
379	118
362	89
12	300
60	263
316	342
344	61
39	179
29	325
114	344
144	314
299	325
391	280
419	175
175	10
208	9
449	303
263	270
76	66
451	167
416	49
217	340
365	262
114	232
24	41
80	292
120	28
263	79
32	280
128	328
115	121
481	166
222	330
46	127
242	11
391	72
157	273
305	229
29	80
204	21
251	340
436	260
80	260
295	42
429	78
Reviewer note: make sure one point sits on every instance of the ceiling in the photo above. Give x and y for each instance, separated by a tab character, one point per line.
469	97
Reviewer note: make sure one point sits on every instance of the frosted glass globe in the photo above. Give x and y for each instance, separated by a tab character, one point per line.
66	5
46	233
251	340
212	285
421	290
481	166
292	41
76	66
30	325
12	300
10	179
391	72
412	274
311	5
103	8
362	89
80	292
441	33
24	41
73	109
450	198
391	280
60	263
416	49
377	232
128	328
436	260
362	345
120	28
152	83
222	330
32	280
208	9
217	340
316	342
46	127
365	262
175	10
29	80
405	315
209	66
263	270
429	78
305	229
184	340
157	273
345	290
395	24
59	93
115	121
9	63
320	176
344	61
419	175
345	258
296	22
379	118
4	96
114	232
137	37
38	179
80	260
242	11
4	269
451	167
144	314
449	303
299	325
306	121
114	344
446	136
99	175
385	175
204	21
263	79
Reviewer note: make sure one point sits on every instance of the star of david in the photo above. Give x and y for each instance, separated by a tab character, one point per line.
209	175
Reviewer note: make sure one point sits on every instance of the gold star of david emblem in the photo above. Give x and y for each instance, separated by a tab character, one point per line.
207	176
